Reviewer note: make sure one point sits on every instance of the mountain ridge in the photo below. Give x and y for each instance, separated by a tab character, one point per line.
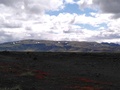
59	46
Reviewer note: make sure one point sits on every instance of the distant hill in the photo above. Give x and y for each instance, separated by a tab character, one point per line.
59	46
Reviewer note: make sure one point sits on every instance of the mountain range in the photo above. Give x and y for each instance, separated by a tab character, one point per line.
59	46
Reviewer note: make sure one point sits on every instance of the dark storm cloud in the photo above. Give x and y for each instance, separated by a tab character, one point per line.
13	25
32	8
8	2
109	6
10	24
14	4
28	28
29	7
35	9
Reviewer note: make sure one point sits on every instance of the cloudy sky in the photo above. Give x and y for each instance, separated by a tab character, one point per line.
73	20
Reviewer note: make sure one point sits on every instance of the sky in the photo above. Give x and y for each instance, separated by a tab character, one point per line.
60	20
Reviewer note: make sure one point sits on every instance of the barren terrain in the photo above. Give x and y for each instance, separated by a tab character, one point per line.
59	71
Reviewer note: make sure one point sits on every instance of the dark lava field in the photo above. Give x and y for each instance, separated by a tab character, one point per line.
59	71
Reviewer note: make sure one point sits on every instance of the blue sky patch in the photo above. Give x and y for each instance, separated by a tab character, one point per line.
72	8
90	27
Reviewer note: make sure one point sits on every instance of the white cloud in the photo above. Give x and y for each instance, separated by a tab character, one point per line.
93	21
65	26
26	19
70	1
